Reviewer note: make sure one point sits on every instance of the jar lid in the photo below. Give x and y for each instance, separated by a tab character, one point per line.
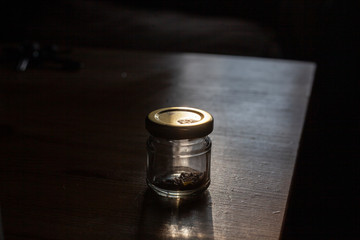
179	123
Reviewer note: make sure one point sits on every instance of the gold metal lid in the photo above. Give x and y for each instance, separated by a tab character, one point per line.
179	123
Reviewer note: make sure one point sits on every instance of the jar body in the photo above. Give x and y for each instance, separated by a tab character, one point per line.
177	168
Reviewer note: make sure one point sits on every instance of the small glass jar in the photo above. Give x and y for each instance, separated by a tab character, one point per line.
179	151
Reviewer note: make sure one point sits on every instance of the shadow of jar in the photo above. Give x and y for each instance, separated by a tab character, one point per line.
171	218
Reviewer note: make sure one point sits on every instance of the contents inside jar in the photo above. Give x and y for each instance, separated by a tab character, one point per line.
181	178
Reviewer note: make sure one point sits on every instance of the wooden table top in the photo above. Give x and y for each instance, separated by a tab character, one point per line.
72	163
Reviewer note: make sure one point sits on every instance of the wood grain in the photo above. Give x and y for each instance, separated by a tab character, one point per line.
73	146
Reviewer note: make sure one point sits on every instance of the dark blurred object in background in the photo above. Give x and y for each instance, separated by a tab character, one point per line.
33	55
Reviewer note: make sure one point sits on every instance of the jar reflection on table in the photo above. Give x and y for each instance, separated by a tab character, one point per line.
176	218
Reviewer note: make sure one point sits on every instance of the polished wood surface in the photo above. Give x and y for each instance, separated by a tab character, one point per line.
73	146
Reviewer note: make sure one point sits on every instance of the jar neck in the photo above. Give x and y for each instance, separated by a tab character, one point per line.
191	141
179	147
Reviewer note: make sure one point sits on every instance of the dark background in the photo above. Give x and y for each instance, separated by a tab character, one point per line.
324	201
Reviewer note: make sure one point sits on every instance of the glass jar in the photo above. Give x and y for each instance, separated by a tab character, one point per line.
179	151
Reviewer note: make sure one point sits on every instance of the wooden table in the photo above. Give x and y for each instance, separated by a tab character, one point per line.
73	153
